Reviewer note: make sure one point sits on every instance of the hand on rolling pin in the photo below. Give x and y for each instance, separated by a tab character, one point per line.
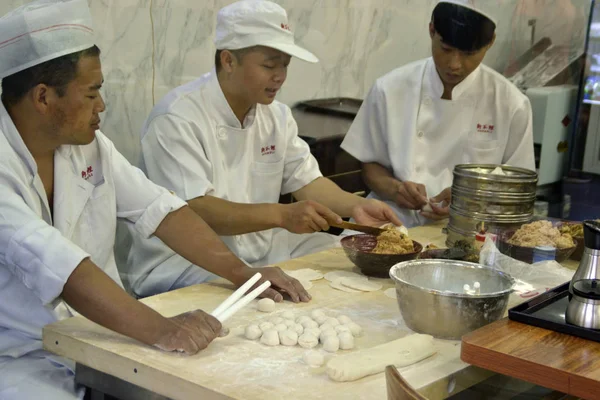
411	195
280	282
440	206
307	217
189	332
373	212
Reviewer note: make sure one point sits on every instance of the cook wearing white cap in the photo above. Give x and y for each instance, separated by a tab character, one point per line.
63	185
223	143
422	119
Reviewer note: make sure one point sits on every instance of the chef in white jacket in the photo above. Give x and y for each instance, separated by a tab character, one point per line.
225	145
422	119
62	187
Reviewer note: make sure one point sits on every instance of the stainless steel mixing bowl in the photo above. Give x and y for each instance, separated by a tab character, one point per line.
431	299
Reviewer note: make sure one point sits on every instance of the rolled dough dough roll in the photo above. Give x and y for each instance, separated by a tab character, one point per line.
402	352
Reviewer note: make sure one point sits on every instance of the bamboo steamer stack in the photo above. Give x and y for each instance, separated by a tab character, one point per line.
483	196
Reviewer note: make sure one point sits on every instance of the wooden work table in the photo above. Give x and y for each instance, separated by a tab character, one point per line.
236	368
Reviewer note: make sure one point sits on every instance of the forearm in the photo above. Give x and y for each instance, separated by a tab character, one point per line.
380	180
97	297
227	218
189	236
327	193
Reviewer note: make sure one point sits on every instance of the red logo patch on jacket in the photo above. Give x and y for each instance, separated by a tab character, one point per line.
484	128
87	173
267	150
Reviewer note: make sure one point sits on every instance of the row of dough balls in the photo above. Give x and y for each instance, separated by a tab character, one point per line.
307	331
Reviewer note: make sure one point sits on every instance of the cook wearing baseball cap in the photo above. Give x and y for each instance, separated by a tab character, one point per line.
422	119
225	145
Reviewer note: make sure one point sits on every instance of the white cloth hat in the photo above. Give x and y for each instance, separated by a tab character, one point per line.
472	5
250	23
41	31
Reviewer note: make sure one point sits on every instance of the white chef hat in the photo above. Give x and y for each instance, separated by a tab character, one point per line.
41	31
250	23
478	7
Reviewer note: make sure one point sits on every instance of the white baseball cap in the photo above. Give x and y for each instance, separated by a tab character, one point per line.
41	31
471	5
250	23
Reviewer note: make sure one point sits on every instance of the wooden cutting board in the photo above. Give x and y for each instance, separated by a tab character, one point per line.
234	367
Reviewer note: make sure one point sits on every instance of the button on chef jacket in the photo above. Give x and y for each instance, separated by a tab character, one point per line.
93	185
405	126
194	145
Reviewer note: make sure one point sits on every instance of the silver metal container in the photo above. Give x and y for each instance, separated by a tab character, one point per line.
500	201
431	298
516	180
492	203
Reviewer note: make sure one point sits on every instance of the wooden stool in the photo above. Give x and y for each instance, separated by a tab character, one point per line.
398	388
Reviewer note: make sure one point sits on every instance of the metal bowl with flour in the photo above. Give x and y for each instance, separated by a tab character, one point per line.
431	296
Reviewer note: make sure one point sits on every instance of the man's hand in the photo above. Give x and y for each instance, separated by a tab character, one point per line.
307	217
373	212
280	283
189	332
410	195
439	211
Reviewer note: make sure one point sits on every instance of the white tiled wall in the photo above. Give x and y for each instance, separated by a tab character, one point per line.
356	41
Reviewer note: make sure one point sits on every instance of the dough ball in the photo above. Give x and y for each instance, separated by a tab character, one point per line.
326	327
331	344
355	328
303	318
342	328
289	323
308	341
346	340
332	321
281	327
276	320
317	313
270	338
320	319
265	326
309	324
313	359
288	338
266	305
326	333
253	332
313	331
299	329
344	319
288	315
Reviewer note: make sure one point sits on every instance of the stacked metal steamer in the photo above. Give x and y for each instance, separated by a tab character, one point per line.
495	202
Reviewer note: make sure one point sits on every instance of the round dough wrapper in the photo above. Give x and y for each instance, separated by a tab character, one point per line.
337	285
305	274
337	275
391	293
360	284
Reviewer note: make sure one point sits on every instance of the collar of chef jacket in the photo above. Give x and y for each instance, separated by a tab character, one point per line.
16	141
222	107
436	86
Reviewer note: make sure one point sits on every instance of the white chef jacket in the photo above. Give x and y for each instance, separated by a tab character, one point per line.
194	145
405	126
93	185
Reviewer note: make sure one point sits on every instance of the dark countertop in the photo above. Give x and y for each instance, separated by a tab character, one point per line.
316	126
